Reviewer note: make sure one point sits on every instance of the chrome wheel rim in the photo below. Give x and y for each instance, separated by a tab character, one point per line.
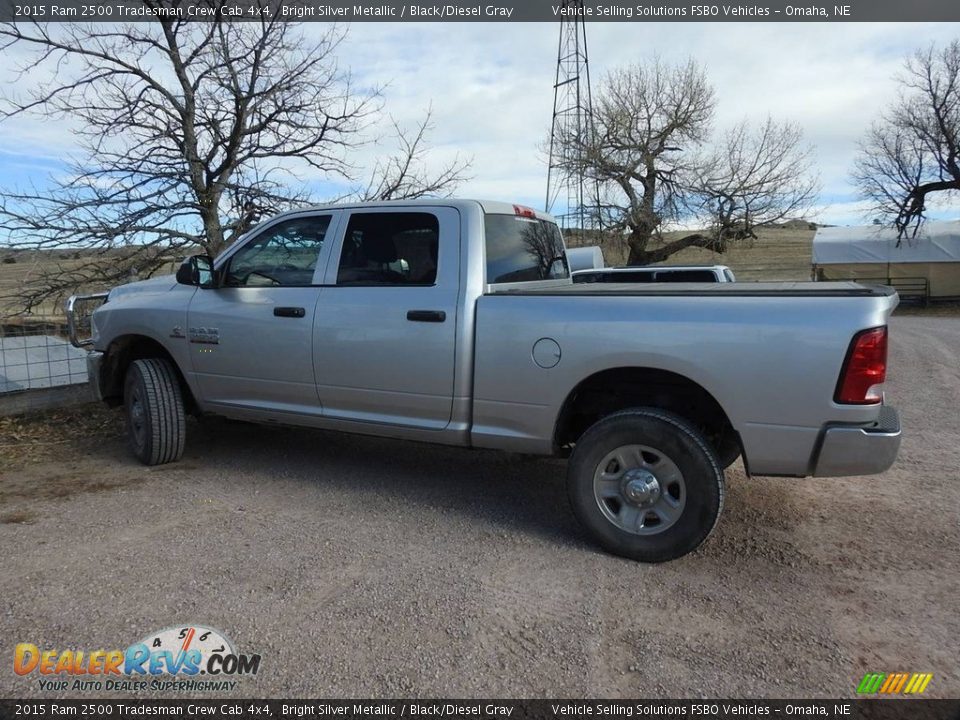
639	489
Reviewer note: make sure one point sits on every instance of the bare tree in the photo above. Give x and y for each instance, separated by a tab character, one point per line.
189	132
753	178
652	155
913	151
543	241
404	175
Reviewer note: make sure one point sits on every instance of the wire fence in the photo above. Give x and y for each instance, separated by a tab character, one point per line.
36	354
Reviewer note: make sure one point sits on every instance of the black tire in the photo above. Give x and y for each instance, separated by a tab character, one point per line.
156	424
695	500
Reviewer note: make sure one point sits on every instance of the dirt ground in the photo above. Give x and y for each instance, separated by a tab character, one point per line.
359	566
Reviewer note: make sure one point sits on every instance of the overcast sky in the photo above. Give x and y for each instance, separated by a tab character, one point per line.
490	86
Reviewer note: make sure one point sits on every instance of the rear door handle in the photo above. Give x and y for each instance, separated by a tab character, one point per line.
294	312
426	315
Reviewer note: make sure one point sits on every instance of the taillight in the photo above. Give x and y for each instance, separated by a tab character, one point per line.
864	369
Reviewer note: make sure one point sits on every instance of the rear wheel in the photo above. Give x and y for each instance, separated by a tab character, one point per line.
645	484
156	424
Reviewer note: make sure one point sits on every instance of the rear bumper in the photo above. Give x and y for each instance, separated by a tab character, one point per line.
858	449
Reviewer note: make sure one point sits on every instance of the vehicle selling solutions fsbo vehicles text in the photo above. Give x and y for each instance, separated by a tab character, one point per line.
699	11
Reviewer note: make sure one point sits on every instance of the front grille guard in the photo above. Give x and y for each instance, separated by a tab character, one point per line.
79	311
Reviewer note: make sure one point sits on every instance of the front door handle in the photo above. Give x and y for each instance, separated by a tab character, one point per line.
426	315
294	312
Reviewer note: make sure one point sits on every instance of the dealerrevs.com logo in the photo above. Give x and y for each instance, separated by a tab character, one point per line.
187	658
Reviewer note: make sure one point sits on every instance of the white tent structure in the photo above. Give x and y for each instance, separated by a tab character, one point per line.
927	265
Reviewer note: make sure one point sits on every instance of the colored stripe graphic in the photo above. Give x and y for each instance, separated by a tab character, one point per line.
914	683
871	683
894	683
889	683
923	679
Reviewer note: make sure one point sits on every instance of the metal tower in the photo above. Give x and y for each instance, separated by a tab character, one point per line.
568	192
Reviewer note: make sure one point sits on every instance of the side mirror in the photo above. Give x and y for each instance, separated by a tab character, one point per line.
196	270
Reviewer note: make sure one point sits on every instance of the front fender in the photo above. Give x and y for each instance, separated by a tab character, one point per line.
139	325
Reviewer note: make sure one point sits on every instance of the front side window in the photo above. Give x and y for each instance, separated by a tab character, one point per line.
284	255
390	249
521	248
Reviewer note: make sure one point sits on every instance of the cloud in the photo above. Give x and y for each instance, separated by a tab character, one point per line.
490	86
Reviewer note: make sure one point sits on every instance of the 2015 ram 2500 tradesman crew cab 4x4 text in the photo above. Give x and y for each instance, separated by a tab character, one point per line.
456	322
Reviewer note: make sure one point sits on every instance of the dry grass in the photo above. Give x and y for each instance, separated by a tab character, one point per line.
779	254
782	253
25	439
30	266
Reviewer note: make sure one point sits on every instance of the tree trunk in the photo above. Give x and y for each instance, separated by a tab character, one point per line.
639	255
213	242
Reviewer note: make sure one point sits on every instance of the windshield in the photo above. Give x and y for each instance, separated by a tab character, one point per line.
521	249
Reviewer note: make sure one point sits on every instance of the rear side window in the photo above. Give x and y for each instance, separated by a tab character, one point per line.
390	249
521	249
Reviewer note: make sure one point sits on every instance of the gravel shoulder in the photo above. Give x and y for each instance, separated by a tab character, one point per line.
369	567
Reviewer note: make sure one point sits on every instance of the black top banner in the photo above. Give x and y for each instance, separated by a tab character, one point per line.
470	709
477	11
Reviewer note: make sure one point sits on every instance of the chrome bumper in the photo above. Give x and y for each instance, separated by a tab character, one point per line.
93	373
859	450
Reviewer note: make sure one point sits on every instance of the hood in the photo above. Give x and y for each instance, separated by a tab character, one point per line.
160	283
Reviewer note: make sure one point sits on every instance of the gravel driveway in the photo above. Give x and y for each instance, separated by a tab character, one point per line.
367	567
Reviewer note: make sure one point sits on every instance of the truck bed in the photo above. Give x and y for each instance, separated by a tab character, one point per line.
760	289
770	354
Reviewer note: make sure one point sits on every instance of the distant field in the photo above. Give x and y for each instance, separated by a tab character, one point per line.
778	254
29	266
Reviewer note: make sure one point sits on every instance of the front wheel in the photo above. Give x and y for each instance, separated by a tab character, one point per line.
645	484
156	425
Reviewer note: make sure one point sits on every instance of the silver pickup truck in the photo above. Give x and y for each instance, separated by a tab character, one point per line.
456	322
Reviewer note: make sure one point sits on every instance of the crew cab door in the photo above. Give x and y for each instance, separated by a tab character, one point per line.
384	341
251	338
